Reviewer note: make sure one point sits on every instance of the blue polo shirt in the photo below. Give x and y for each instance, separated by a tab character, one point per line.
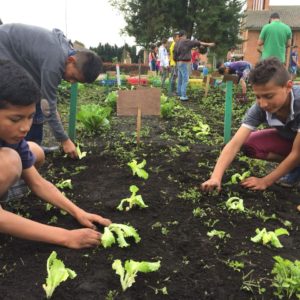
27	157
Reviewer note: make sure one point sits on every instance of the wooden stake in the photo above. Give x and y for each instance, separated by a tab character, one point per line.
207	85
138	125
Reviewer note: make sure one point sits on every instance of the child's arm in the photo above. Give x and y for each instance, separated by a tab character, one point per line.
227	155
290	162
48	192
23	228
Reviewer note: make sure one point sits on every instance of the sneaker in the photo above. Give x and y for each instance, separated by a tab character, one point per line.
18	190
291	179
50	149
184	98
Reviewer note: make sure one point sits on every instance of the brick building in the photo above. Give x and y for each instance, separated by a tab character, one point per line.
257	15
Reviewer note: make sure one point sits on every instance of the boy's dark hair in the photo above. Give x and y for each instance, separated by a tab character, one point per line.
16	86
89	65
269	69
221	70
275	15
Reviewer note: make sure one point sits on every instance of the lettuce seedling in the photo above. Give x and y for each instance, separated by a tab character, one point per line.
236	178
80	154
235	203
63	184
122	231
219	233
137	169
128	273
133	200
201	129
266	237
57	273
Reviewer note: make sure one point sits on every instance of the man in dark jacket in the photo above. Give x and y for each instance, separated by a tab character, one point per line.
182	56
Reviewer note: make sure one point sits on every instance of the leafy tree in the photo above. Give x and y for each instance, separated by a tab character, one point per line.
151	20
110	53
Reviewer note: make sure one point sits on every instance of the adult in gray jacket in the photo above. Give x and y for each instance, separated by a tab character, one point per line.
49	57
182	56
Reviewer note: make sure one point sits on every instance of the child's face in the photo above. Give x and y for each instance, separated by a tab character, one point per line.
15	122
271	97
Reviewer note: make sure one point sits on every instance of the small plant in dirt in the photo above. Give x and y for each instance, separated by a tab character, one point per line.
111	99
199	212
201	129
133	200
219	233
138	168
131	268
64	184
81	154
269	237
235	203
287	278
167	106
94	117
235	264
236	178
57	273
122	231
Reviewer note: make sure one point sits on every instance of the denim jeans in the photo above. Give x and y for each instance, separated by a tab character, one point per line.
173	76
35	133
183	78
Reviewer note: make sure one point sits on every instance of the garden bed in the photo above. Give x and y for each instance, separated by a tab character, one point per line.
193	265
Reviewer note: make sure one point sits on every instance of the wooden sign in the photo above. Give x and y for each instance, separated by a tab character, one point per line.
147	99
142	101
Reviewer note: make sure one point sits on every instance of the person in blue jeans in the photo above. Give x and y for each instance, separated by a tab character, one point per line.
182	56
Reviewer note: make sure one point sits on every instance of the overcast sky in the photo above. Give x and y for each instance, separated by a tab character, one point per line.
89	21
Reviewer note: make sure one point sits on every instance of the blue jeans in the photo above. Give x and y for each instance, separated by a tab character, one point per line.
183	78
172	84
35	133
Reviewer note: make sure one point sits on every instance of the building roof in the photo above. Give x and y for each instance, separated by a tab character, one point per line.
290	15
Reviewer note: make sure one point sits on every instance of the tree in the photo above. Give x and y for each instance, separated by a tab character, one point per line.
213	21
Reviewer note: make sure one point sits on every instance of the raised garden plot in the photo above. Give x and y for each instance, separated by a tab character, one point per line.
173	229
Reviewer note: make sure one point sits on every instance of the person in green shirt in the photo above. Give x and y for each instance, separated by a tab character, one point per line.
274	38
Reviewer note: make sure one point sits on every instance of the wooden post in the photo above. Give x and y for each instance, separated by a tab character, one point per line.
207	85
138	125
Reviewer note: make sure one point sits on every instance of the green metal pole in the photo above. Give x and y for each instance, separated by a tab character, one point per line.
228	112
72	117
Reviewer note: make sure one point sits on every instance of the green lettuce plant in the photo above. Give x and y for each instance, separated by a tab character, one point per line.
132	200
137	169
122	231
236	178
235	203
269	237
287	278
94	117
63	184
131	268
201	129
80	154
57	273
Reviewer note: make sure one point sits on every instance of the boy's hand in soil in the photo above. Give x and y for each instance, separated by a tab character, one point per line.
86	219
82	238
255	183
70	148
210	185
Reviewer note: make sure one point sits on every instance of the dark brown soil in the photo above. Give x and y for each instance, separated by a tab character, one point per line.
193	266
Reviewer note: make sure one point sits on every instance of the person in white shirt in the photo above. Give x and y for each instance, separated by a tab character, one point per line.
164	61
